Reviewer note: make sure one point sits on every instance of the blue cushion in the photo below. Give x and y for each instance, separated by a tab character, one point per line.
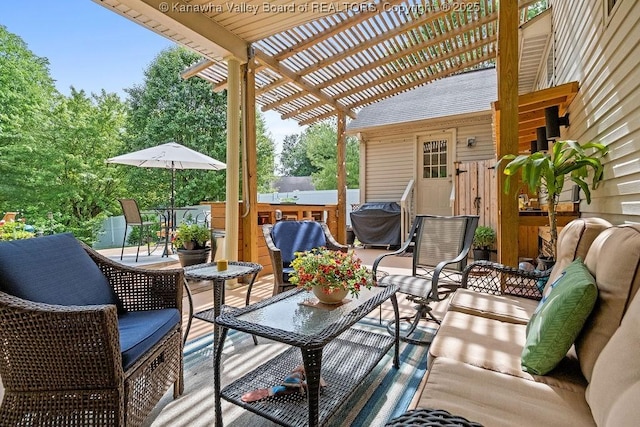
141	330
297	236
53	270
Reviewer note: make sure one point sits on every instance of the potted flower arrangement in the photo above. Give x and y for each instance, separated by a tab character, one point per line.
483	238
330	274
191	240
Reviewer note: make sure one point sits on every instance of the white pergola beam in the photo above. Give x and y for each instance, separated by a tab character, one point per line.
195	26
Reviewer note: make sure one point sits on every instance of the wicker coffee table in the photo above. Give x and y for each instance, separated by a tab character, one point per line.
321	338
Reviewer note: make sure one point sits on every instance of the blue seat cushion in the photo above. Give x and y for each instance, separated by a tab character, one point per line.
297	236
141	330
53	270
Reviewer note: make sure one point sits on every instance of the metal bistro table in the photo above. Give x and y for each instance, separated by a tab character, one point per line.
327	344
236	269
169	217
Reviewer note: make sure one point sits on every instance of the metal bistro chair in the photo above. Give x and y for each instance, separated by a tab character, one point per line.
285	238
440	247
133	218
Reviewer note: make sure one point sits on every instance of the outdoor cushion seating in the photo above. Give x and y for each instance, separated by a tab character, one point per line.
85	341
285	238
475	360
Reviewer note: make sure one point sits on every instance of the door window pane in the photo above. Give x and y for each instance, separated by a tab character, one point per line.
434	158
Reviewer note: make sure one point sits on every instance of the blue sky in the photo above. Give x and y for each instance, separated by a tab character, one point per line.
93	48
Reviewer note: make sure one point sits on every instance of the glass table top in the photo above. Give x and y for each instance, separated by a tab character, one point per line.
210	270
293	315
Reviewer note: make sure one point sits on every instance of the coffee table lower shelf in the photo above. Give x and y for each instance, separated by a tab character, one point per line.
345	362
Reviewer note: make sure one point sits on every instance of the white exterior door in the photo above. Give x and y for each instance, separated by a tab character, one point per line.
435	174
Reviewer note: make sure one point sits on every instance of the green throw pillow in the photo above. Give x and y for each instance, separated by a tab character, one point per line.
559	318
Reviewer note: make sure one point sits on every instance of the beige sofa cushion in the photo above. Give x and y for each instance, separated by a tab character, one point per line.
574	241
498	400
507	308
614	260
625	412
497	346
616	374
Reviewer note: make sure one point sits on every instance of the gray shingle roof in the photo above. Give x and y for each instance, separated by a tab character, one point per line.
469	92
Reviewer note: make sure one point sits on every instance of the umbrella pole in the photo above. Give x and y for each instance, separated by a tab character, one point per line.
173	203
173	185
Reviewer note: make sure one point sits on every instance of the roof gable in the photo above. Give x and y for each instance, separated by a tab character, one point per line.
463	93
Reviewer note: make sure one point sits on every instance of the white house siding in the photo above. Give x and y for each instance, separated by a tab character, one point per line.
480	129
390	153
602	55
389	167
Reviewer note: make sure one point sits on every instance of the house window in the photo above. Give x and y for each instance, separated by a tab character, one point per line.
434	159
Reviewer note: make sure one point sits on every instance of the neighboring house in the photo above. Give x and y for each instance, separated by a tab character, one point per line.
287	184
418	135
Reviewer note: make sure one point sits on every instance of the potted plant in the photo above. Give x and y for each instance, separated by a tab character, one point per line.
15	230
547	172
483	238
330	274
190	240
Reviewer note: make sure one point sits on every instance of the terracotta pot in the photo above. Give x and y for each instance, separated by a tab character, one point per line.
334	297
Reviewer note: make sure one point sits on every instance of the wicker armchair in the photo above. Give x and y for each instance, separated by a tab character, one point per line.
84	362
287	237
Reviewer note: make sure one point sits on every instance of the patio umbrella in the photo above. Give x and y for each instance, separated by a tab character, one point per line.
169	156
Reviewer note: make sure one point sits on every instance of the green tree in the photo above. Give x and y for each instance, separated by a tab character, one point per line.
294	160
164	108
74	181
266	155
167	108
53	148
27	95
321	142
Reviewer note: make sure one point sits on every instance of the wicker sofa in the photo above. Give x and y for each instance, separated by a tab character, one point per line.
474	364
83	340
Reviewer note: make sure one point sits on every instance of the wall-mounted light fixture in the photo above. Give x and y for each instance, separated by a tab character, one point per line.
534	147
471	141
541	141
553	122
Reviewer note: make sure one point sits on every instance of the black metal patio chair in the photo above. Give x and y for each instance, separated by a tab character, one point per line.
440	246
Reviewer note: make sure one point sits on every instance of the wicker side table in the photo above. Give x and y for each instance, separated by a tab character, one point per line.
430	417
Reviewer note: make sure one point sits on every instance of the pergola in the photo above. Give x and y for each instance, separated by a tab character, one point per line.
310	61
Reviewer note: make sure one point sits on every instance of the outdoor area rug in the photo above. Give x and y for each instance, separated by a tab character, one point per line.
383	395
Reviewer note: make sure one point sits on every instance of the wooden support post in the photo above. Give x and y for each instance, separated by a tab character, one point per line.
342	178
233	160
250	170
507	131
